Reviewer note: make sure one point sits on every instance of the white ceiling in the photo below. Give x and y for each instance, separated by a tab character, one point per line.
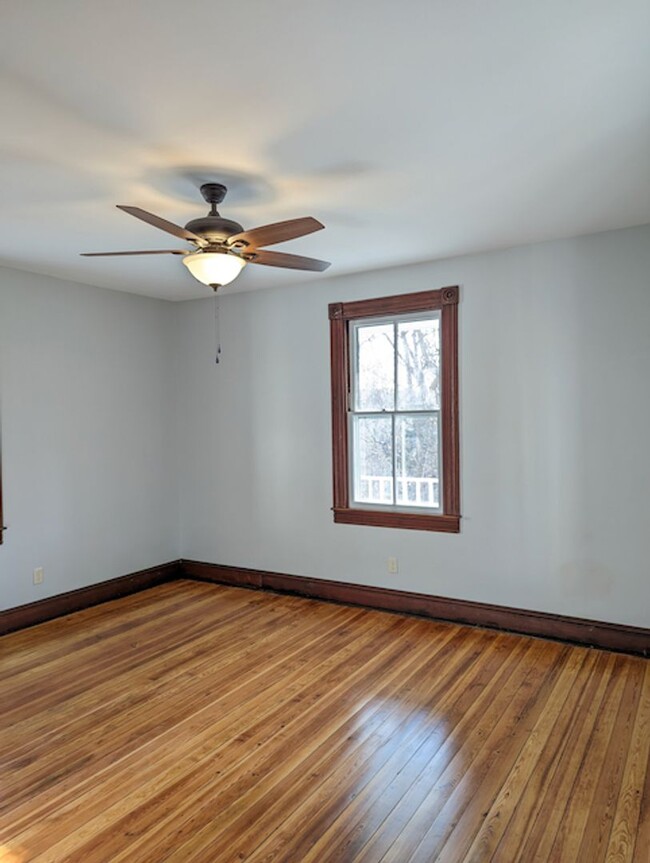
413	130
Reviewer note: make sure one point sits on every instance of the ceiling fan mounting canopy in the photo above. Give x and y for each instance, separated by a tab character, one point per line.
222	246
213	193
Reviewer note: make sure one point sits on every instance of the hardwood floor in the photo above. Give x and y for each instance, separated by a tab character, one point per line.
199	723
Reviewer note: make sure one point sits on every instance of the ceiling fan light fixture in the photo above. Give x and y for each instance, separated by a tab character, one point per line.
214	268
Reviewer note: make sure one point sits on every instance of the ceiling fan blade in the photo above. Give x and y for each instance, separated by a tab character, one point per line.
163	224
291	262
147	252
278	232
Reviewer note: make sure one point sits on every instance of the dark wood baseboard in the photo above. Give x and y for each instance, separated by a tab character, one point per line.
589	633
75	600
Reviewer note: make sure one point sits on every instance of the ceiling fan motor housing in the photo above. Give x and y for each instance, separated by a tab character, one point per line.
214	229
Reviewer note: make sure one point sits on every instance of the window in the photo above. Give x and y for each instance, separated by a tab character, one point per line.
395	411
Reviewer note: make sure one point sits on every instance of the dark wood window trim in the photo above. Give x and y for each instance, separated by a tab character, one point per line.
340	315
2	527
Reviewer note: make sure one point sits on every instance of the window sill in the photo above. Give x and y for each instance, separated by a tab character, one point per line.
404	520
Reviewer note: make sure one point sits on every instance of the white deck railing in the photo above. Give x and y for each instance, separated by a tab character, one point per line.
414	490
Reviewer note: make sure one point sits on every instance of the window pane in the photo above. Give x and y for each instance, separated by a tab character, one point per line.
418	364
375	384
417	459
373	459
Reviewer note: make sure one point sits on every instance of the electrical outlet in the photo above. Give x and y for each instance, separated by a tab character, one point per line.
39	575
392	565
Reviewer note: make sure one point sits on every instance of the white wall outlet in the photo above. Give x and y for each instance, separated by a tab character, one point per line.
393	568
39	575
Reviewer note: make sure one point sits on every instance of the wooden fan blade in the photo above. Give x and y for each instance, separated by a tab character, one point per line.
163	224
147	252
278	232
291	262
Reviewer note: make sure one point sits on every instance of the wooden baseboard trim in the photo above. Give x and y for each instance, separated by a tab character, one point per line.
64	603
588	633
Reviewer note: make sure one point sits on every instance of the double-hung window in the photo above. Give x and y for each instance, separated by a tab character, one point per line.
395	411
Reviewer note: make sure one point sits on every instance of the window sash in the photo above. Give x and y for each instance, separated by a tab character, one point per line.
360	502
357	500
394	321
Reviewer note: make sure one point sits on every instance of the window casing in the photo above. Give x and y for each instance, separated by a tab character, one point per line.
2	525
392	419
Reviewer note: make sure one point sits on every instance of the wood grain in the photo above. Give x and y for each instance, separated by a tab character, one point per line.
198	722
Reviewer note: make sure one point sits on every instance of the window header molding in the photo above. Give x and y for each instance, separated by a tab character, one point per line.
340	314
400	304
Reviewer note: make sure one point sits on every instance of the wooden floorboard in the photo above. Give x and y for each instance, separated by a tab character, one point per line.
208	724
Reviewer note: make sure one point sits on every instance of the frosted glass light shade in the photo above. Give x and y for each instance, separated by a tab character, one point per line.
214	268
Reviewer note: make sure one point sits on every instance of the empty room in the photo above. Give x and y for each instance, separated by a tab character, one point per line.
324	431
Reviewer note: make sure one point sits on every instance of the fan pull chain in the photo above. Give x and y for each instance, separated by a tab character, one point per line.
217	329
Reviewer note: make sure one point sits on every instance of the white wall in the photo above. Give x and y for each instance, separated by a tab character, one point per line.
555	428
555	396
87	421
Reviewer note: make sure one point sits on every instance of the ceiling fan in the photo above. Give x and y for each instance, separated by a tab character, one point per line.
223	247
